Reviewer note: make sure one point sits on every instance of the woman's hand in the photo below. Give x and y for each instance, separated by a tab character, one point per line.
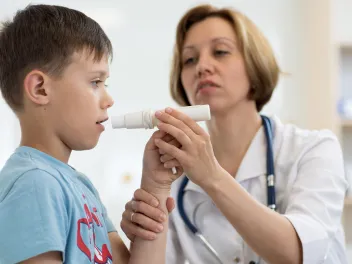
195	155
142	218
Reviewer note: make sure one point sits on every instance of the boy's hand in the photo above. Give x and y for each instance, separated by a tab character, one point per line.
142	218
196	155
155	175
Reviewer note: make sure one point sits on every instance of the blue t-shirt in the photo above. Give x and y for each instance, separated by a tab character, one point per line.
46	205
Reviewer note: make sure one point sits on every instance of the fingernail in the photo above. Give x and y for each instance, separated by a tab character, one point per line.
152	236
168	110
160	228
162	217
158	113
155	203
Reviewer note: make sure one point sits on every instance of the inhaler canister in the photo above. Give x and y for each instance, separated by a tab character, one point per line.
147	119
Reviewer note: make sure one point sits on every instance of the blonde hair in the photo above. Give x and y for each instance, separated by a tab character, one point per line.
260	63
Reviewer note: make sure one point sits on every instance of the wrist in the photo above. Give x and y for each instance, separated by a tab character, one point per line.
214	184
154	187
160	191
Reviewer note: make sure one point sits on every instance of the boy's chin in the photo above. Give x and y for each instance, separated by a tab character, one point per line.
84	145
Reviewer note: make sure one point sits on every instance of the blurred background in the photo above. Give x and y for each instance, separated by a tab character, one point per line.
312	41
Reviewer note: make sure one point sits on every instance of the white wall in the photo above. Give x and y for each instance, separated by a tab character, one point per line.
342	20
142	33
341	23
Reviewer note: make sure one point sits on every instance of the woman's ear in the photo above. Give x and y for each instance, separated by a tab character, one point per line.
36	87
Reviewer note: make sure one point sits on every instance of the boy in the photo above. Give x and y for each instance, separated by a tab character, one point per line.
53	65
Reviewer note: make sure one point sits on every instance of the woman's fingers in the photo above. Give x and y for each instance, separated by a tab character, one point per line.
188	121
174	127
181	121
165	158
147	210
141	218
143	221
169	150
142	195
173	142
132	229
172	164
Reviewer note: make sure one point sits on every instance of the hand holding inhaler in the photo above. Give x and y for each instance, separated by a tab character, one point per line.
147	119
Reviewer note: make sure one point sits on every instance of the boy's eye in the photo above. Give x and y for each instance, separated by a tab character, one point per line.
97	82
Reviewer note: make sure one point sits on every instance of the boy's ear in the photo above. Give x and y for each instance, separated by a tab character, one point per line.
36	87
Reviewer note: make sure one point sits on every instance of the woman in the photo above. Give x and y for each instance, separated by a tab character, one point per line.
222	59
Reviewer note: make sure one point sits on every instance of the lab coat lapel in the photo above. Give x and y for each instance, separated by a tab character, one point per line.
254	161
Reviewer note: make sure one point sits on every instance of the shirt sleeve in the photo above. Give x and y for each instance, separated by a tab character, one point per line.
109	224
317	197
174	252
33	218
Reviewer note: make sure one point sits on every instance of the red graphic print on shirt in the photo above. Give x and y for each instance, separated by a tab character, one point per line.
91	221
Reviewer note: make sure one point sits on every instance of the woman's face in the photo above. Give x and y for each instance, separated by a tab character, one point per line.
213	70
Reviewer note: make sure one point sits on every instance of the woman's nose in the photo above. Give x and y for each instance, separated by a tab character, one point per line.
204	66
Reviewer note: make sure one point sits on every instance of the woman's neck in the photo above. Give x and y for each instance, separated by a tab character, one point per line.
231	135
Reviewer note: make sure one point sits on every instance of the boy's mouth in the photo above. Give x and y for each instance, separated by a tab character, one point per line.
102	121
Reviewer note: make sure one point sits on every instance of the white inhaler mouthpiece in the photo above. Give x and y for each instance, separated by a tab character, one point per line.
147	119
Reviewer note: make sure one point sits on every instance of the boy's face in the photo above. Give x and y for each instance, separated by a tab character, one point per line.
78	102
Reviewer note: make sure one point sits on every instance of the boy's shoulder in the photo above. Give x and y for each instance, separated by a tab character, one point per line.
25	169
34	207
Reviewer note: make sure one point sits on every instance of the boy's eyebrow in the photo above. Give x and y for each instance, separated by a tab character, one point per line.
101	73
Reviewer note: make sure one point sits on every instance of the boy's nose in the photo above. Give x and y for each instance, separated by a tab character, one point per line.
107	101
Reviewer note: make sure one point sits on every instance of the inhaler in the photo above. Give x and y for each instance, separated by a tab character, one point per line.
146	119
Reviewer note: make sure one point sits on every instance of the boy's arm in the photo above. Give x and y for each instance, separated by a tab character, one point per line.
33	218
156	180
53	257
145	251
120	253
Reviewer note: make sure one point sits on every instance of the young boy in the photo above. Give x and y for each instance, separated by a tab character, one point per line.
53	65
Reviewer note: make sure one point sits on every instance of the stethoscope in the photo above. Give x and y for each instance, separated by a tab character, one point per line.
270	182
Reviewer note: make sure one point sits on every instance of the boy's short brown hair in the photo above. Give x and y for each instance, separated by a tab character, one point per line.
44	37
261	66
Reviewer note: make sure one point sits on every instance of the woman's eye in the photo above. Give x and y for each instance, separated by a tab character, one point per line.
189	61
221	52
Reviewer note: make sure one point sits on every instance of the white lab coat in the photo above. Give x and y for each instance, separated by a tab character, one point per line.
310	189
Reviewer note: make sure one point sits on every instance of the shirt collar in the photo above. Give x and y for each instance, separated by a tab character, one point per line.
37	155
